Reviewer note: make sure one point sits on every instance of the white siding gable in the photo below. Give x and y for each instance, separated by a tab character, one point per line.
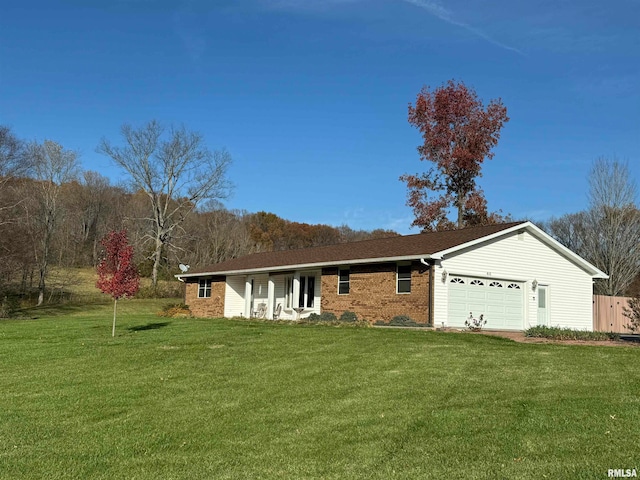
523	257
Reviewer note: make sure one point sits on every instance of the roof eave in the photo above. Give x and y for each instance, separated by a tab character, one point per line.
284	268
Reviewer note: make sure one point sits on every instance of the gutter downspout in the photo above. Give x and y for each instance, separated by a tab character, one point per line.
184	289
431	269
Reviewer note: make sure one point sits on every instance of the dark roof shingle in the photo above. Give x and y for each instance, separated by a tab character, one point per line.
409	245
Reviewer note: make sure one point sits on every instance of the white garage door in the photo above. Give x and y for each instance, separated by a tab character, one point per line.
500	301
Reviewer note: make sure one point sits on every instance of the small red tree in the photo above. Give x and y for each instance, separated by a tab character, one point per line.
117	274
458	134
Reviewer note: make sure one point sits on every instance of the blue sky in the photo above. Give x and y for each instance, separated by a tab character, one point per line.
310	97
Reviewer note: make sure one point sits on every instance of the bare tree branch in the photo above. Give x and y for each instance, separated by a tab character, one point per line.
608	234
176	173
52	166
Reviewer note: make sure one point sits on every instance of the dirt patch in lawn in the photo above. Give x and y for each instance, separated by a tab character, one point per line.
520	337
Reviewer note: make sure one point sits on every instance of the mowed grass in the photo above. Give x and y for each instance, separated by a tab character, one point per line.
216	399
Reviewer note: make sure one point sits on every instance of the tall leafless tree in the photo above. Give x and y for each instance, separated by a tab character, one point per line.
13	161
53	166
614	243
13	164
608	233
98	204
176	171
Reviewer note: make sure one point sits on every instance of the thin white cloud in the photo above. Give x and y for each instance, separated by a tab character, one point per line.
604	84
438	10
188	27
306	4
402	225
433	7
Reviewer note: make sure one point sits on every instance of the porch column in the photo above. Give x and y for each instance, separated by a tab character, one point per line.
296	290
247	298
271	291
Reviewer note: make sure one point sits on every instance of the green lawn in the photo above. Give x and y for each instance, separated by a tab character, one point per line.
215	399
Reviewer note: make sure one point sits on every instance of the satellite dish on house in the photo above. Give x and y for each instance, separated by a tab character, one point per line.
183	268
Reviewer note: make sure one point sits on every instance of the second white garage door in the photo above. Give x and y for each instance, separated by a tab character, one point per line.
500	301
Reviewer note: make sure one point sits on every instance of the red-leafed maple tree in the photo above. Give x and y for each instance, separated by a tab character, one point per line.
117	274
458	133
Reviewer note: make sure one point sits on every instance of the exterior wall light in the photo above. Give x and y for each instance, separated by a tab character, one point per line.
444	276
534	285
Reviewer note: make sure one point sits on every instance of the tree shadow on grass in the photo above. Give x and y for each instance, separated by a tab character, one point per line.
63	309
148	326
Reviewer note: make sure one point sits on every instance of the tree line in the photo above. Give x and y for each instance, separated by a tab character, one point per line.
54	214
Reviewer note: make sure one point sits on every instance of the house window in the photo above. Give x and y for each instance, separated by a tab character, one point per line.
542	298
495	284
515	286
306	295
404	279
204	288
307	292
457	280
311	291
343	281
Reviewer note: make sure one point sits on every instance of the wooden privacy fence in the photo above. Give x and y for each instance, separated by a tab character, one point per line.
607	314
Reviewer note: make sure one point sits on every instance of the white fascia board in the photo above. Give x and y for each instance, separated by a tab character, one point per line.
537	232
285	268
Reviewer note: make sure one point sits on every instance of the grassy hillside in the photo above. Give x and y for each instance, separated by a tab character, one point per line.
78	285
196	398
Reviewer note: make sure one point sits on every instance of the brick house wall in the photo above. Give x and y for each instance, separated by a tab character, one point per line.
372	293
212	307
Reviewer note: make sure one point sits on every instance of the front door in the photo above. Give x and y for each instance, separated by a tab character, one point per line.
543	305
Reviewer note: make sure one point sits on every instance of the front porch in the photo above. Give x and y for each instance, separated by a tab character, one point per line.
285	296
